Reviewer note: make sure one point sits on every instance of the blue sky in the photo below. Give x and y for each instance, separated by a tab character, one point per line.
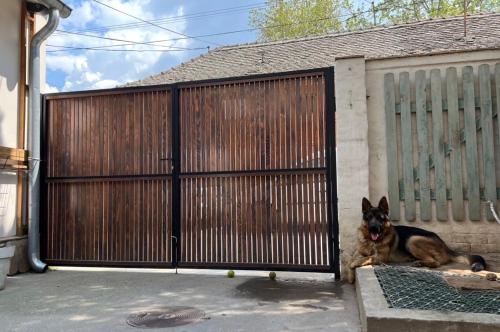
71	70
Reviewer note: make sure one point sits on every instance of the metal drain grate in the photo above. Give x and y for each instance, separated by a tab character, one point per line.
166	317
411	288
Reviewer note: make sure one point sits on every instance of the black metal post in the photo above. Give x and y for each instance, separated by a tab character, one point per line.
176	168
331	172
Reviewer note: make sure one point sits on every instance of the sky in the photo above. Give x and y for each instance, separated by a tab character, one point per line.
81	69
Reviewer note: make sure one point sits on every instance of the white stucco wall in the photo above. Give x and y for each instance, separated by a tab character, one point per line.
9	77
9	71
10	16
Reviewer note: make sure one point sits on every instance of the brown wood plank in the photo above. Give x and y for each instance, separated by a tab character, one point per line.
186	221
280	214
255	221
210	218
233	220
247	220
289	208
197	217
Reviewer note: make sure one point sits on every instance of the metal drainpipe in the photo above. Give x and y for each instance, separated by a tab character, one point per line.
34	132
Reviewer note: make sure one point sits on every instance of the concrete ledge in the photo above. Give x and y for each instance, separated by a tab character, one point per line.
376	315
19	262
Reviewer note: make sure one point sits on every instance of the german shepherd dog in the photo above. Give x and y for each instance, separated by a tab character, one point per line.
381	242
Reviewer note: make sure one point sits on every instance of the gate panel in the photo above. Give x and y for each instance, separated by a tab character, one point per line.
253	174
109	178
277	219
109	221
253	125
109	135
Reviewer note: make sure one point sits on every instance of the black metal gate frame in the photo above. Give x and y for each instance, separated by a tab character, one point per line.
331	175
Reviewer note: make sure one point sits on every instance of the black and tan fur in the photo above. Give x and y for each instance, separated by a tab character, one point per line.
381	242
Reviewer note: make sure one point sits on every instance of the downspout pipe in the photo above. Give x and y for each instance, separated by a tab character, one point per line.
34	132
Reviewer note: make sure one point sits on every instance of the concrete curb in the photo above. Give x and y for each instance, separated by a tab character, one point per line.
376	315
6	254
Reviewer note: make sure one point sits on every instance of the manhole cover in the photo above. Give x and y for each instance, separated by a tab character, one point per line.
166	317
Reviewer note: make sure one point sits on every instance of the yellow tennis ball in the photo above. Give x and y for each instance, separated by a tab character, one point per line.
272	275
230	274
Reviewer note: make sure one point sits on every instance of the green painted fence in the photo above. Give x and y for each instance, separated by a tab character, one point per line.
442	137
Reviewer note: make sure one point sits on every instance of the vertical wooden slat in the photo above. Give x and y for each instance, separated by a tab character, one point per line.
190	217
392	153
497	95
423	146
407	146
490	191
438	146
455	144
471	144
324	220
248	218
241	248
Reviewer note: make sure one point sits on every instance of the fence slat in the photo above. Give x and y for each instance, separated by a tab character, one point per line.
392	153
438	145
423	146
497	90
454	131
471	144
404	86
487	136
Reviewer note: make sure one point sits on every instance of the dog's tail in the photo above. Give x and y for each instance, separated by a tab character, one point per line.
476	262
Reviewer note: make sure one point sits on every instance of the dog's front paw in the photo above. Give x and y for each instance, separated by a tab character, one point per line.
350	276
354	264
417	264
476	267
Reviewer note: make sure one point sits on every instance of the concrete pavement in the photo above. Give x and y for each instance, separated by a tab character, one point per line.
101	300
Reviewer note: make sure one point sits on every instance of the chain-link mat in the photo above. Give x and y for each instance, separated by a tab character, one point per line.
412	288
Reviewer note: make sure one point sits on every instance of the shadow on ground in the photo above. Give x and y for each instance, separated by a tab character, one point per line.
101	301
263	289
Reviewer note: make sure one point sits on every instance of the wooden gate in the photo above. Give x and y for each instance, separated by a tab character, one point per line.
108	186
233	173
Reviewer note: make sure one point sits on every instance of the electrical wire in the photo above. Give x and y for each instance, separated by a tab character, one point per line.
129	50
379	7
164	47
205	35
118	39
154	24
173	19
153	42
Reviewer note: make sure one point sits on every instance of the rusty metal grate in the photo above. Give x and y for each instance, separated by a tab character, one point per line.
166	317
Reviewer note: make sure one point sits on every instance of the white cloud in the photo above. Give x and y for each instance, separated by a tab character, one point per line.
104	84
67	63
90	69
92	77
50	89
82	15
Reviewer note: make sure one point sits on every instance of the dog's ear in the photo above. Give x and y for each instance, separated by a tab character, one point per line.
383	205
366	205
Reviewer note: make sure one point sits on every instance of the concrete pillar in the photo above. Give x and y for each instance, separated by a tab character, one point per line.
352	148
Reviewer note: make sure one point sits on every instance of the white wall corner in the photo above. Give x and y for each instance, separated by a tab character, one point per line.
352	147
